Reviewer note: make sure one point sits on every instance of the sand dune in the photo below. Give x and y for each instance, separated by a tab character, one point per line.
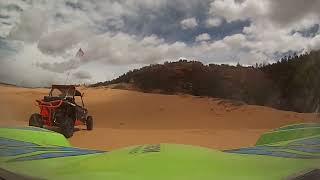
123	118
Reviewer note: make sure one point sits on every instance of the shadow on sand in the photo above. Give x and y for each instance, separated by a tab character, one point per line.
58	130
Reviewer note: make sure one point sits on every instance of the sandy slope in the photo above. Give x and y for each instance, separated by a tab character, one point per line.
124	118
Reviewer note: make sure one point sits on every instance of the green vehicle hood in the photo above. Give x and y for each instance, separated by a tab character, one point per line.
35	153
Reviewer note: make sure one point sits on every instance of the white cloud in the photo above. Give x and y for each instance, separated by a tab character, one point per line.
20	67
203	37
232	10
81	74
57	42
235	39
33	23
11	10
121	48
152	40
189	23
278	13
213	22
272	24
314	43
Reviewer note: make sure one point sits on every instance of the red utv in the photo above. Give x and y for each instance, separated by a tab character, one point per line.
60	109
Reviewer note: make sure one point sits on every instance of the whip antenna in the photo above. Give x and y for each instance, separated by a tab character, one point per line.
79	54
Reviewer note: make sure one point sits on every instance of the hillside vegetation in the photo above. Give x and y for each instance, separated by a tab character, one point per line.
292	83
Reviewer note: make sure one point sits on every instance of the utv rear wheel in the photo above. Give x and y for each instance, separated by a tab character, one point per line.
89	123
67	127
36	120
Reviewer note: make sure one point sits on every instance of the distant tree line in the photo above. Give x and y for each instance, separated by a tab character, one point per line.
297	79
292	83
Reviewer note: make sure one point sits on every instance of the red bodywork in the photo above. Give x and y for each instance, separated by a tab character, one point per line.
46	109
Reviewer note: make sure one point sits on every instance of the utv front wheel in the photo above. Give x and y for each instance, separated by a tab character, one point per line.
67	127
89	123
36	120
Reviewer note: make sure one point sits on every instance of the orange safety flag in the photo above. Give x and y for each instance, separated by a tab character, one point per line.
80	53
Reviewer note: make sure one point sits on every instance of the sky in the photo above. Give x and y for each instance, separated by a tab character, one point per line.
39	38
